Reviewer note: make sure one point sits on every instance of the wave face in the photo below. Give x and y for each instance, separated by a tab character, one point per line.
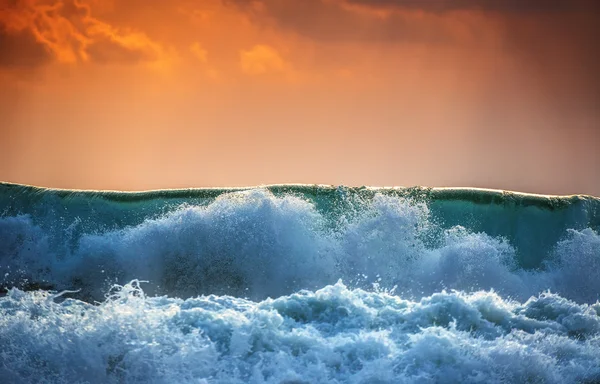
299	284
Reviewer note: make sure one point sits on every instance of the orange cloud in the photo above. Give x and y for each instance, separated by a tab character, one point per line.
552	43
69	33
262	59
199	52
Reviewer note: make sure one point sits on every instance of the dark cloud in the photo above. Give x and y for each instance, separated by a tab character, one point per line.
21	50
508	6
349	20
561	56
554	42
331	21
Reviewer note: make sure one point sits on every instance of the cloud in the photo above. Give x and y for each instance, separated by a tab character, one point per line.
554	42
262	59
391	20
339	21
199	53
560	54
503	6
22	51
67	32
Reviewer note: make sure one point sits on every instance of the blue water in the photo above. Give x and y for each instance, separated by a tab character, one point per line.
298	284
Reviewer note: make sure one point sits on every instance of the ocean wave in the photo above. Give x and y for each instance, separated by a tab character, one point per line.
332	335
298	284
256	243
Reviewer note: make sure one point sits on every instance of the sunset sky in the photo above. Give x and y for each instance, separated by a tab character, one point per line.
146	94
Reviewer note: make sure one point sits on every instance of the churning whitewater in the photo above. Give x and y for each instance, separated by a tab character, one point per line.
298	284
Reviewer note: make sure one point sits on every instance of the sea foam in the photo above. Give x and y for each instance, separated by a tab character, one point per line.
332	335
299	285
255	244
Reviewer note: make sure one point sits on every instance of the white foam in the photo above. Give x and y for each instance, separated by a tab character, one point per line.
332	335
253	244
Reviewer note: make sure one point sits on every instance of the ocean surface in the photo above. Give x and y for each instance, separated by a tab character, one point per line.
298	284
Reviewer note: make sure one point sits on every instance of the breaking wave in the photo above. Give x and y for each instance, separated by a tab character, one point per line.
299	284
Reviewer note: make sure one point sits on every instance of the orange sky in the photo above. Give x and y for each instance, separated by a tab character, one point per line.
139	94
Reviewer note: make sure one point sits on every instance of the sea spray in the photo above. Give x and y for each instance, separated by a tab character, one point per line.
334	334
260	243
298	284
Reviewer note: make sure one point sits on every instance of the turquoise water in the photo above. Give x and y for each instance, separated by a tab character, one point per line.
299	284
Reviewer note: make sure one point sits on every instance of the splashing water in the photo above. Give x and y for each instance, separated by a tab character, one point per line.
299	284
